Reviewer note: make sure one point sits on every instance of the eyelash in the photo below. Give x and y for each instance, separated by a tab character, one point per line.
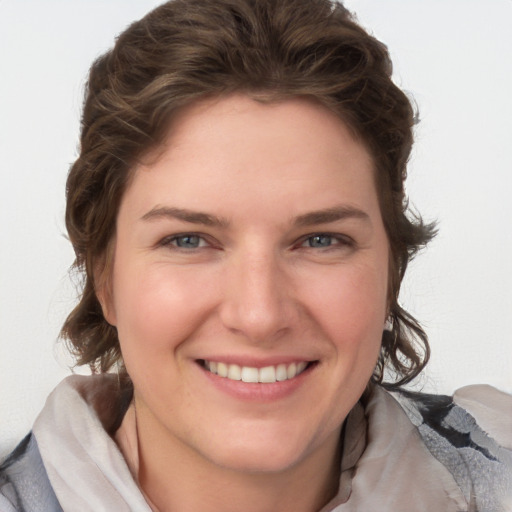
339	240
171	241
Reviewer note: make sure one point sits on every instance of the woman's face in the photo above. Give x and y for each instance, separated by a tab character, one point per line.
252	247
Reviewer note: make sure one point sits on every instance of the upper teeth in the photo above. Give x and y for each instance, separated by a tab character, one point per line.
266	374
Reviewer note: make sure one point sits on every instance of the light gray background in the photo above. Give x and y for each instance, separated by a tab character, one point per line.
452	56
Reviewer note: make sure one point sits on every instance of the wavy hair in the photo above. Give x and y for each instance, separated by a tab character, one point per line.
271	50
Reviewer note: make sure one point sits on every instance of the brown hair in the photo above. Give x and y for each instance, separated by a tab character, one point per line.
271	50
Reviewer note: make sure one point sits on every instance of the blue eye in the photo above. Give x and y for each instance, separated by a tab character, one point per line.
319	241
188	241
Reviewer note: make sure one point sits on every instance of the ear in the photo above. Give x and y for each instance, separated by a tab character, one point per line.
103	270
105	298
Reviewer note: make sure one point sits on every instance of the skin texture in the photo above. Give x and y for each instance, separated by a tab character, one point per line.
250	290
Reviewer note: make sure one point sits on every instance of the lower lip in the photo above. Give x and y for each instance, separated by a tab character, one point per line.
256	391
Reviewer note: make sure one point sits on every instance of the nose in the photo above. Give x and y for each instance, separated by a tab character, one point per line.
258	300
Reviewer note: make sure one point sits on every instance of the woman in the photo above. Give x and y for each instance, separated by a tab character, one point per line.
238	211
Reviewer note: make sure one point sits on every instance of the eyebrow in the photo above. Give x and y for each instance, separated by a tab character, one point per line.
165	212
308	219
331	215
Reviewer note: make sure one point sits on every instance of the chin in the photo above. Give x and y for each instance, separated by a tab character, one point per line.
265	450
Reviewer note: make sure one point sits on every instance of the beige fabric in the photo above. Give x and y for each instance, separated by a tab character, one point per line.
85	467
396	472
491	408
385	465
384	460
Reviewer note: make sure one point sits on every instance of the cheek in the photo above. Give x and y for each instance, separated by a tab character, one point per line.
156	307
351	307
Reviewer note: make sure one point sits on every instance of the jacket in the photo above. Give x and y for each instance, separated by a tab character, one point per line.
402	452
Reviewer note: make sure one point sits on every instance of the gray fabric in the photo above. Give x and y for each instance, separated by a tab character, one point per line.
481	468
24	484
403	452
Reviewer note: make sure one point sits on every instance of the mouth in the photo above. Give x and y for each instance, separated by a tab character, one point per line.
250	374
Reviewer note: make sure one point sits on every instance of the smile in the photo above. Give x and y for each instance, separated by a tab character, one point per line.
266	375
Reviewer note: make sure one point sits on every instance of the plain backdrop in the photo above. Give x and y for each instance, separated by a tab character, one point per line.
452	56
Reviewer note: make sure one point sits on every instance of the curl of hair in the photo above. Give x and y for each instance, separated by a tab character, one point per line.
271	50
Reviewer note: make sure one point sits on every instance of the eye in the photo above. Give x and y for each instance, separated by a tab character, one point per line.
319	240
324	240
185	241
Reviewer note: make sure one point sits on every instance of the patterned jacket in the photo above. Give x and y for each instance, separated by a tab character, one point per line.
402	452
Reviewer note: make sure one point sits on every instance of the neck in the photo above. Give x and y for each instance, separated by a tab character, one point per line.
176	477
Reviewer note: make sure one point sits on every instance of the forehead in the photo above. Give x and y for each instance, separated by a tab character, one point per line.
232	146
240	117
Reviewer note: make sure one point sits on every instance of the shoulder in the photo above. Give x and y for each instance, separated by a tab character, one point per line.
471	409
24	484
491	408
470	433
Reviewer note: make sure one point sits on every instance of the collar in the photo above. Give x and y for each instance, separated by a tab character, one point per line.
384	458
